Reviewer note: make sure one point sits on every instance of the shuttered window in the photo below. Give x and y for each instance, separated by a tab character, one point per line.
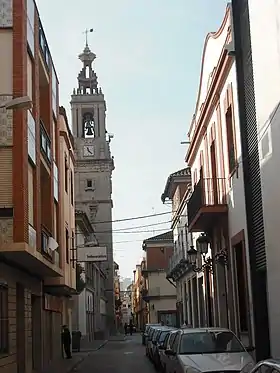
30	195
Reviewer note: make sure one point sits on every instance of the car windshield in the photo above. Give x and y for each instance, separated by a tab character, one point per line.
162	336
155	335
209	342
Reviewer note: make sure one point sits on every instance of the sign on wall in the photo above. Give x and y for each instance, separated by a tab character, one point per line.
92	254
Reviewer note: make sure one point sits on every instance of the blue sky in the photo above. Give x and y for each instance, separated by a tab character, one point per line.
148	65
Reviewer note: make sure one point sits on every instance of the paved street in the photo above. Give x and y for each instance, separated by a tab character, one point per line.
118	357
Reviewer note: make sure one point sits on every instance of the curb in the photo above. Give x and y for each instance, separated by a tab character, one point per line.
87	354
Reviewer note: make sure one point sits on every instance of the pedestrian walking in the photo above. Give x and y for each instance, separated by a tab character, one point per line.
66	341
125	328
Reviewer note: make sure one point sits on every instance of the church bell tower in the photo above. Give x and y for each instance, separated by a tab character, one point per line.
94	166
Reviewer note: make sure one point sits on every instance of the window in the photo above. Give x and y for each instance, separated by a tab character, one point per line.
29	77
44	46
45	245
89	183
72	188
45	143
67	244
30	195
230	139
210	343
31	137
55	221
54	91
4	320
174	347
55	181
65	175
30	25
54	141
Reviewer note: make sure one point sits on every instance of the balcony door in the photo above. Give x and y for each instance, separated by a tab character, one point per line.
214	188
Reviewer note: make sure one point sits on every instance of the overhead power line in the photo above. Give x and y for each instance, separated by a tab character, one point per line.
142	231
137	227
133	229
132	218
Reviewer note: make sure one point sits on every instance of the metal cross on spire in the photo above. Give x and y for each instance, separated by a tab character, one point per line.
86	33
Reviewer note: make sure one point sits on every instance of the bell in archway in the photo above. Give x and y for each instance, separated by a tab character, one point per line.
89	131
89	128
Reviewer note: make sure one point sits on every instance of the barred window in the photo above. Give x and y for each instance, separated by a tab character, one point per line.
4	320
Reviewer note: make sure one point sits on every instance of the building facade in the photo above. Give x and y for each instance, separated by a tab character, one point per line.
35	281
88	307
159	293
64	219
189	306
216	206
259	113
117	286
94	166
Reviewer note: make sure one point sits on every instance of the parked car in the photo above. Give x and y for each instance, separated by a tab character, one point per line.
267	366
207	349
145	332
163	358
158	345
154	342
151	337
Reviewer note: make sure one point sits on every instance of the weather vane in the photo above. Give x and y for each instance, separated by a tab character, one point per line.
86	33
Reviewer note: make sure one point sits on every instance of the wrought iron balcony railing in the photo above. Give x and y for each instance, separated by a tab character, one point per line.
207	192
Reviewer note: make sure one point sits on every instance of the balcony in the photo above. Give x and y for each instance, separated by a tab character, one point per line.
25	255
207	204
177	266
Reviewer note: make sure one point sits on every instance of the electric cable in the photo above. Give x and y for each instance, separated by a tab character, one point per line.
128	230
133	218
137	226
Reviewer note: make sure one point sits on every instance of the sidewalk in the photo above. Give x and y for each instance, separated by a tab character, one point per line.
118	337
67	365
87	346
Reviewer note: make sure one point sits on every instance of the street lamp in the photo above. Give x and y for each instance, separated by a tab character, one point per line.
24	102
202	243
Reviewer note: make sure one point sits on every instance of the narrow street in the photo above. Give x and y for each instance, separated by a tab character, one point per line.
118	357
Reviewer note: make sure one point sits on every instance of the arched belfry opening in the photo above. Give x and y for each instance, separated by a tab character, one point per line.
88	125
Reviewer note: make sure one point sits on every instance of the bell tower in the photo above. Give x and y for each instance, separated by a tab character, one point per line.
93	172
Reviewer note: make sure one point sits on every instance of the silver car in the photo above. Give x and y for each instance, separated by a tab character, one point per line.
207	349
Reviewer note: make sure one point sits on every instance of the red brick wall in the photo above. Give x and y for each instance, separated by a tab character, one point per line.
20	128
158	257
20	152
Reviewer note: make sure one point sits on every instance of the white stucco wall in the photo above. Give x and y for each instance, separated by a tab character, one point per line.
233	185
210	57
265	40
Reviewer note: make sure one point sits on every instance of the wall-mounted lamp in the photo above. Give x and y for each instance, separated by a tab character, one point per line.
203	242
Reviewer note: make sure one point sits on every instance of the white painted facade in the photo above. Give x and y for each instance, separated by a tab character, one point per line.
209	127
265	42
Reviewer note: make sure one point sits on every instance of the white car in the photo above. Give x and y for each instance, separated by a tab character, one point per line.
207	350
